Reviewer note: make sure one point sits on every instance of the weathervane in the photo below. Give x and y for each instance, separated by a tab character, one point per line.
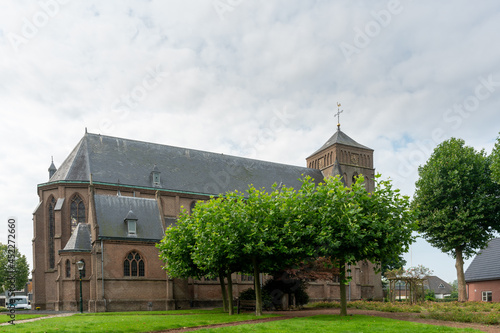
338	115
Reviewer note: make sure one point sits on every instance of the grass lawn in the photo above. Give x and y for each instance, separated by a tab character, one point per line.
335	323
119	322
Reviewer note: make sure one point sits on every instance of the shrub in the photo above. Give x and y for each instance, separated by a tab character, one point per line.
277	288
325	305
249	294
430	295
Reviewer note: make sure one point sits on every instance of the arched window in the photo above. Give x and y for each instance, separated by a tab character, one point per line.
77	211
191	207
68	268
52	231
354	176
133	265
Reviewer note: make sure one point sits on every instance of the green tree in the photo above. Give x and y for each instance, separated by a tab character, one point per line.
275	235
389	264
457	203
20	273
354	225
495	162
218	249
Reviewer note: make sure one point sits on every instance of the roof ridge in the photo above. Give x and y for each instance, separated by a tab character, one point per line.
197	150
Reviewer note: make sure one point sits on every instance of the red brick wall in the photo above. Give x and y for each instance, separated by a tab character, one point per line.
475	290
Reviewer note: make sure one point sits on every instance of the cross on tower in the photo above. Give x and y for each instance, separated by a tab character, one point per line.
338	115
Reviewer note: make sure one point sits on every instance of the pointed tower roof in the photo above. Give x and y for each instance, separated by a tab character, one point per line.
80	240
52	168
340	138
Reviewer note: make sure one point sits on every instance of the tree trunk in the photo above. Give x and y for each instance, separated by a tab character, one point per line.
230	293
223	289
459	265
258	293
343	296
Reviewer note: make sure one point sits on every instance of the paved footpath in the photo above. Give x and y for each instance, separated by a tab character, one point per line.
47	315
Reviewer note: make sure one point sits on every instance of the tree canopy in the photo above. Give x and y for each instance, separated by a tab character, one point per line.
268	232
21	272
495	162
457	203
355	225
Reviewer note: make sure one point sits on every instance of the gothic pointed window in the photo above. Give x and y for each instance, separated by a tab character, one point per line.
354	177
133	265
68	268
191	207
52	232
77	208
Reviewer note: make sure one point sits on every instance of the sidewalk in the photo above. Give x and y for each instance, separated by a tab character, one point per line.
51	314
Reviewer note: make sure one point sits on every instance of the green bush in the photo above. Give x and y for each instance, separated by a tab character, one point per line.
249	295
325	305
430	295
277	288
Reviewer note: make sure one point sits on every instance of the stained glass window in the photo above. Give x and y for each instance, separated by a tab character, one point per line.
77	208
133	265
68	268
52	229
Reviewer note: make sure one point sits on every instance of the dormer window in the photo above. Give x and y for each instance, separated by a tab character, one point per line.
155	175
132	228
131	221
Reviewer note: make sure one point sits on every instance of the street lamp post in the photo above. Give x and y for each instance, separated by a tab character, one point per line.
81	266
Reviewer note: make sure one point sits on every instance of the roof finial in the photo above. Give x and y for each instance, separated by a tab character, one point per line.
338	115
85	130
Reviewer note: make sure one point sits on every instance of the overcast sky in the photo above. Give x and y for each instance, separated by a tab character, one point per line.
252	78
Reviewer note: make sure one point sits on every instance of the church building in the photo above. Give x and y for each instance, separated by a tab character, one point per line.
111	200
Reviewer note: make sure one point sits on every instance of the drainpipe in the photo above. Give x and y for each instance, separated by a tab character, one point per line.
102	272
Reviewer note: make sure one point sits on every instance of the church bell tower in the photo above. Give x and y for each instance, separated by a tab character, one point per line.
343	156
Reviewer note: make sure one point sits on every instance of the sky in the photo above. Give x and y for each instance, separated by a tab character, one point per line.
258	79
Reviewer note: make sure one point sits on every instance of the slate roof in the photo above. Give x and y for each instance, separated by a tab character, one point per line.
340	138
434	283
129	162
111	212
80	240
486	264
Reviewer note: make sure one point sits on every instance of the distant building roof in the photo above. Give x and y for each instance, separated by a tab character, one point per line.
342	139
486	264
438	285
80	240
111	212
129	162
